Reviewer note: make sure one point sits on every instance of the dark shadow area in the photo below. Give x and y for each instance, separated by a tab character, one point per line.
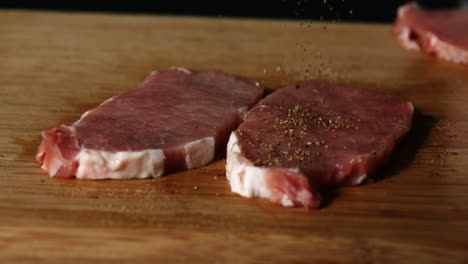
329	197
406	150
334	10
267	92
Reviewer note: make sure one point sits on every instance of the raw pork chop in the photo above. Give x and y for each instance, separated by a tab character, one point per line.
175	120
312	137
443	34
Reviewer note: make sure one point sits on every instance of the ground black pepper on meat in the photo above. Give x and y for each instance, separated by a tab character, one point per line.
296	123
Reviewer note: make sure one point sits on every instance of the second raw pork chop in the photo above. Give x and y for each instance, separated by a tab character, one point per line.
442	33
175	120
312	137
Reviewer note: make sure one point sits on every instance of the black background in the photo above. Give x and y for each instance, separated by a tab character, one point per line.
337	10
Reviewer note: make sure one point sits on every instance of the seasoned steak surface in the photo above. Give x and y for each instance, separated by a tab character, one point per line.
333	135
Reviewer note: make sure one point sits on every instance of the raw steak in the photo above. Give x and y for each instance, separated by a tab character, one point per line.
175	120
443	34
312	137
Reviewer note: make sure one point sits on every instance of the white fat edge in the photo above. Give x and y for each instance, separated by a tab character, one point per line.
404	37
253	183
286	201
447	51
358	160
232	147
243	109
249	187
180	69
98	164
410	104
232	150
53	168
170	68
442	49
358	180
199	152
84	115
257	84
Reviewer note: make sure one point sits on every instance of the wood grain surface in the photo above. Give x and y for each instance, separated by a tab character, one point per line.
54	66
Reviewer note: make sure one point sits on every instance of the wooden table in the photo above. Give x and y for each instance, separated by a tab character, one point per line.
54	66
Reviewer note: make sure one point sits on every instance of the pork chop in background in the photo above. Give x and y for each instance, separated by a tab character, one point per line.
440	33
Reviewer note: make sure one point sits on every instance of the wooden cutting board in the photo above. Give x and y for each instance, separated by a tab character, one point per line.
54	66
